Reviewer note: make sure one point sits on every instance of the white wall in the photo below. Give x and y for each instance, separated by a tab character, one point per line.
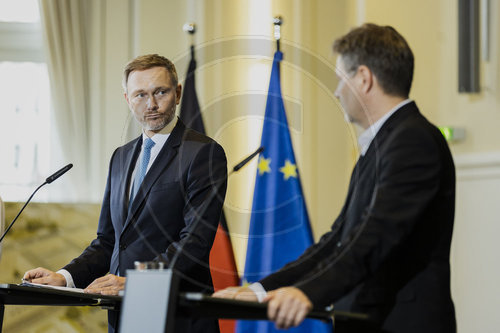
474	262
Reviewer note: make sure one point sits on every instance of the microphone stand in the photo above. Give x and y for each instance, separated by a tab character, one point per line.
49	180
13	221
215	189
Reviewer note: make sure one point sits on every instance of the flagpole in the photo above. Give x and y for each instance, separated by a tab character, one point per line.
277	21
221	260
279	230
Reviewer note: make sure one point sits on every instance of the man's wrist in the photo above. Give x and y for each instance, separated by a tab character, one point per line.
259	290
67	277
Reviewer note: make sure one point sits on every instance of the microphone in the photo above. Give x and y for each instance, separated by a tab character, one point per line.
58	174
49	180
246	160
203	208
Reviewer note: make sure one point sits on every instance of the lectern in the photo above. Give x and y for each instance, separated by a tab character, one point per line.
187	304
13	294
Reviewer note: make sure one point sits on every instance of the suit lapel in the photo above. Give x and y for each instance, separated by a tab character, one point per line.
400	115
352	185
161	163
370	159
128	161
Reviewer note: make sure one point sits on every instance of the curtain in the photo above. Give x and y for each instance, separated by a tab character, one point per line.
65	25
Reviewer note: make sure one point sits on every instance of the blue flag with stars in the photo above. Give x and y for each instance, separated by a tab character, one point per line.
279	225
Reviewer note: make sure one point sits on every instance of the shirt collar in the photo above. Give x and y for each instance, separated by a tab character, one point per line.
366	138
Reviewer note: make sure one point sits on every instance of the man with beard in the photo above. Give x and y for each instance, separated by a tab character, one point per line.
164	192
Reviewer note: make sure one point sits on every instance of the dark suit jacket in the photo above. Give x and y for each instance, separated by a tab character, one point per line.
387	253
178	205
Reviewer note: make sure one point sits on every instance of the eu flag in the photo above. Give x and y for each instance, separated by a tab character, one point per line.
279	225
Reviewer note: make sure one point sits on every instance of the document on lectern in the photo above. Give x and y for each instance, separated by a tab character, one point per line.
38	285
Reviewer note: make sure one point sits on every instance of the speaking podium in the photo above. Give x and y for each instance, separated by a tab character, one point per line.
13	294
200	305
187	305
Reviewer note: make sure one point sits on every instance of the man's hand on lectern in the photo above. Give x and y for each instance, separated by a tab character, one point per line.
107	285
239	293
287	306
44	276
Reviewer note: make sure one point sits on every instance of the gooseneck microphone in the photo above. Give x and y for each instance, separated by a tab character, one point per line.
57	174
49	180
246	160
207	201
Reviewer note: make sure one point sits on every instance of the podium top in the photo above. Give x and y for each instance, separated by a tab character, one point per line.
189	304
198	304
13	294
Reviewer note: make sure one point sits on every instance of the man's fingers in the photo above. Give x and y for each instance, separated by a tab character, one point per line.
289	312
246	294
99	282
287	306
44	276
103	281
239	293
113	290
270	295
296	312
282	318
225	293
229	292
301	315
36	273
106	285
272	309
42	280
284	311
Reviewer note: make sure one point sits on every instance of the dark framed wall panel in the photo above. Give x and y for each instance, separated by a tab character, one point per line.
468	46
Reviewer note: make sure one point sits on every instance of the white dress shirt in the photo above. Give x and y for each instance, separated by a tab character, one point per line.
366	138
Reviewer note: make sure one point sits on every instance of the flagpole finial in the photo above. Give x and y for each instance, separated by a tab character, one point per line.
189	27
277	21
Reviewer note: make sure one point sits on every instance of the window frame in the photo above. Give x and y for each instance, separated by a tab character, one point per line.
21	42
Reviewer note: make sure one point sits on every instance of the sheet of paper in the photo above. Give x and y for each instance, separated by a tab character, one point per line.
37	285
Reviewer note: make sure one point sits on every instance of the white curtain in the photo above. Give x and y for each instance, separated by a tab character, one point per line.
65	25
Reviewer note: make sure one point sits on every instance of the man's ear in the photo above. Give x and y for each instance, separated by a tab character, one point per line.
128	102
365	78
178	92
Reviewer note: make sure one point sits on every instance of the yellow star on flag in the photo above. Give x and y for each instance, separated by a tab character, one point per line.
289	170
263	165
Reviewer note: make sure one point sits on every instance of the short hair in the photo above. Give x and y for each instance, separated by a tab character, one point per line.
384	51
146	62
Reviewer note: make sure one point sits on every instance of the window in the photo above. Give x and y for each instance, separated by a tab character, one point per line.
25	11
24	101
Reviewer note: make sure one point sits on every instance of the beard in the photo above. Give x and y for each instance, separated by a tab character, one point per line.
158	123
